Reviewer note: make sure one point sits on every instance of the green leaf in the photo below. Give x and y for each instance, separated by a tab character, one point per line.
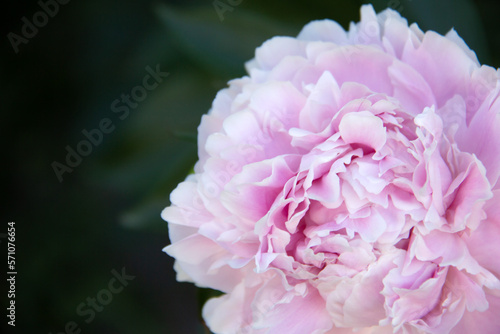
146	215
143	156
189	137
220	46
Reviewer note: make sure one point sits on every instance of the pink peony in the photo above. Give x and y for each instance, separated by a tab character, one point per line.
348	184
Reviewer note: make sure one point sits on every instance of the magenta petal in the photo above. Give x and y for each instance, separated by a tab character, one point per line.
486	321
363	128
348	184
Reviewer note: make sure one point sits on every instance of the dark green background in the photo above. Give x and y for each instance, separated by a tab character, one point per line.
105	214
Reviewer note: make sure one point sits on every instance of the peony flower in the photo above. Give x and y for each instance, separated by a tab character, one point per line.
348	184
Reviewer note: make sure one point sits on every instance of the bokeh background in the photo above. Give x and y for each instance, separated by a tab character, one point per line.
105	214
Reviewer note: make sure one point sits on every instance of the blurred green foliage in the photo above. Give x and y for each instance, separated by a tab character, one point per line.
106	213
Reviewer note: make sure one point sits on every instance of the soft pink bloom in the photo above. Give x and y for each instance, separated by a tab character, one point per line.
348	184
